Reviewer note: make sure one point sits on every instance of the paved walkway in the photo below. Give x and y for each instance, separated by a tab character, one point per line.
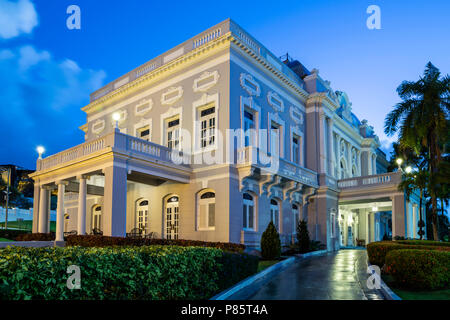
333	276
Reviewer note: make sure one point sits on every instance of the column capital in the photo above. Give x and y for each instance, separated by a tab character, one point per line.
83	176
61	182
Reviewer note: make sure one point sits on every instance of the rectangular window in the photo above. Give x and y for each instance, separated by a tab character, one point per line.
173	133
333	224
249	125
274	139
208	127
144	133
296	149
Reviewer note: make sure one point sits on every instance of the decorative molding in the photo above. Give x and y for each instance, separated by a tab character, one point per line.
296	115
275	101
250	85
172	95
98	126
143	107
206	81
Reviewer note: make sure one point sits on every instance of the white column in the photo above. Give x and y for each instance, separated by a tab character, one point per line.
81	230
349	159
323	151
374	165
60	211
358	154
330	147
369	163
43	210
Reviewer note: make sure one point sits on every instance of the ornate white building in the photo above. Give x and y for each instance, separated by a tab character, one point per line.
215	138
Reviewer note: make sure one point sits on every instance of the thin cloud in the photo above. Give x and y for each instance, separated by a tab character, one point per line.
16	18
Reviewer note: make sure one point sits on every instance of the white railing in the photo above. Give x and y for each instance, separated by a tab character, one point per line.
259	158
206	38
72	154
379	179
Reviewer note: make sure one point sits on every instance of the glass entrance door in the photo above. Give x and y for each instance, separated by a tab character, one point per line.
172	217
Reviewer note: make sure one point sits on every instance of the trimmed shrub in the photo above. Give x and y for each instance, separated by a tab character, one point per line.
36	237
270	243
236	267
419	269
147	272
425	243
12	234
377	250
106	241
304	242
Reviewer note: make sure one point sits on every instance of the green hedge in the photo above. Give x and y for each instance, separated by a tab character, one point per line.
377	251
12	234
424	243
106	241
36	237
419	269
147	272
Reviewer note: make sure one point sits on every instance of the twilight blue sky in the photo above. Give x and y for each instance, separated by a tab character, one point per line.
48	71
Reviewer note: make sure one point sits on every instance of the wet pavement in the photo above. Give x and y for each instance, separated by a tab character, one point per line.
334	276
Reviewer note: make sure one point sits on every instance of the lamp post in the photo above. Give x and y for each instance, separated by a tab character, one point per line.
399	163
7	197
116	118
40	150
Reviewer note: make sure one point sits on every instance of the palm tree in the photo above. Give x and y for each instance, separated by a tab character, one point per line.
422	120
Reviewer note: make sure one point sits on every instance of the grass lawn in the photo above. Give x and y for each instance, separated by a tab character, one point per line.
263	264
26	225
5	240
443	294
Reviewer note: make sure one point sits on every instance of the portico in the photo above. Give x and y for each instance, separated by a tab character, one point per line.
101	168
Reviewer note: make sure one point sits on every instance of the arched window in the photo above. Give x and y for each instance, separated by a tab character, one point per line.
248	212
172	217
206	211
97	217
342	170
142	209
275	213
295	216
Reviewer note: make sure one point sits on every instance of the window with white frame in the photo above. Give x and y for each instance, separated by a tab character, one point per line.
143	133
333	224
173	133
296	149
274	139
248	212
207	127
275	213
295	216
206	214
249	127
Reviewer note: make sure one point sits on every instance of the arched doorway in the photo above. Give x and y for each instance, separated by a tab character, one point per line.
142	215
172	218
97	217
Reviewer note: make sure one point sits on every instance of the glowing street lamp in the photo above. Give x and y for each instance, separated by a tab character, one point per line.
40	151
408	169
116	118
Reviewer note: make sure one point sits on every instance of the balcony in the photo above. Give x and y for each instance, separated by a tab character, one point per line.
384	179
111	146
255	157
